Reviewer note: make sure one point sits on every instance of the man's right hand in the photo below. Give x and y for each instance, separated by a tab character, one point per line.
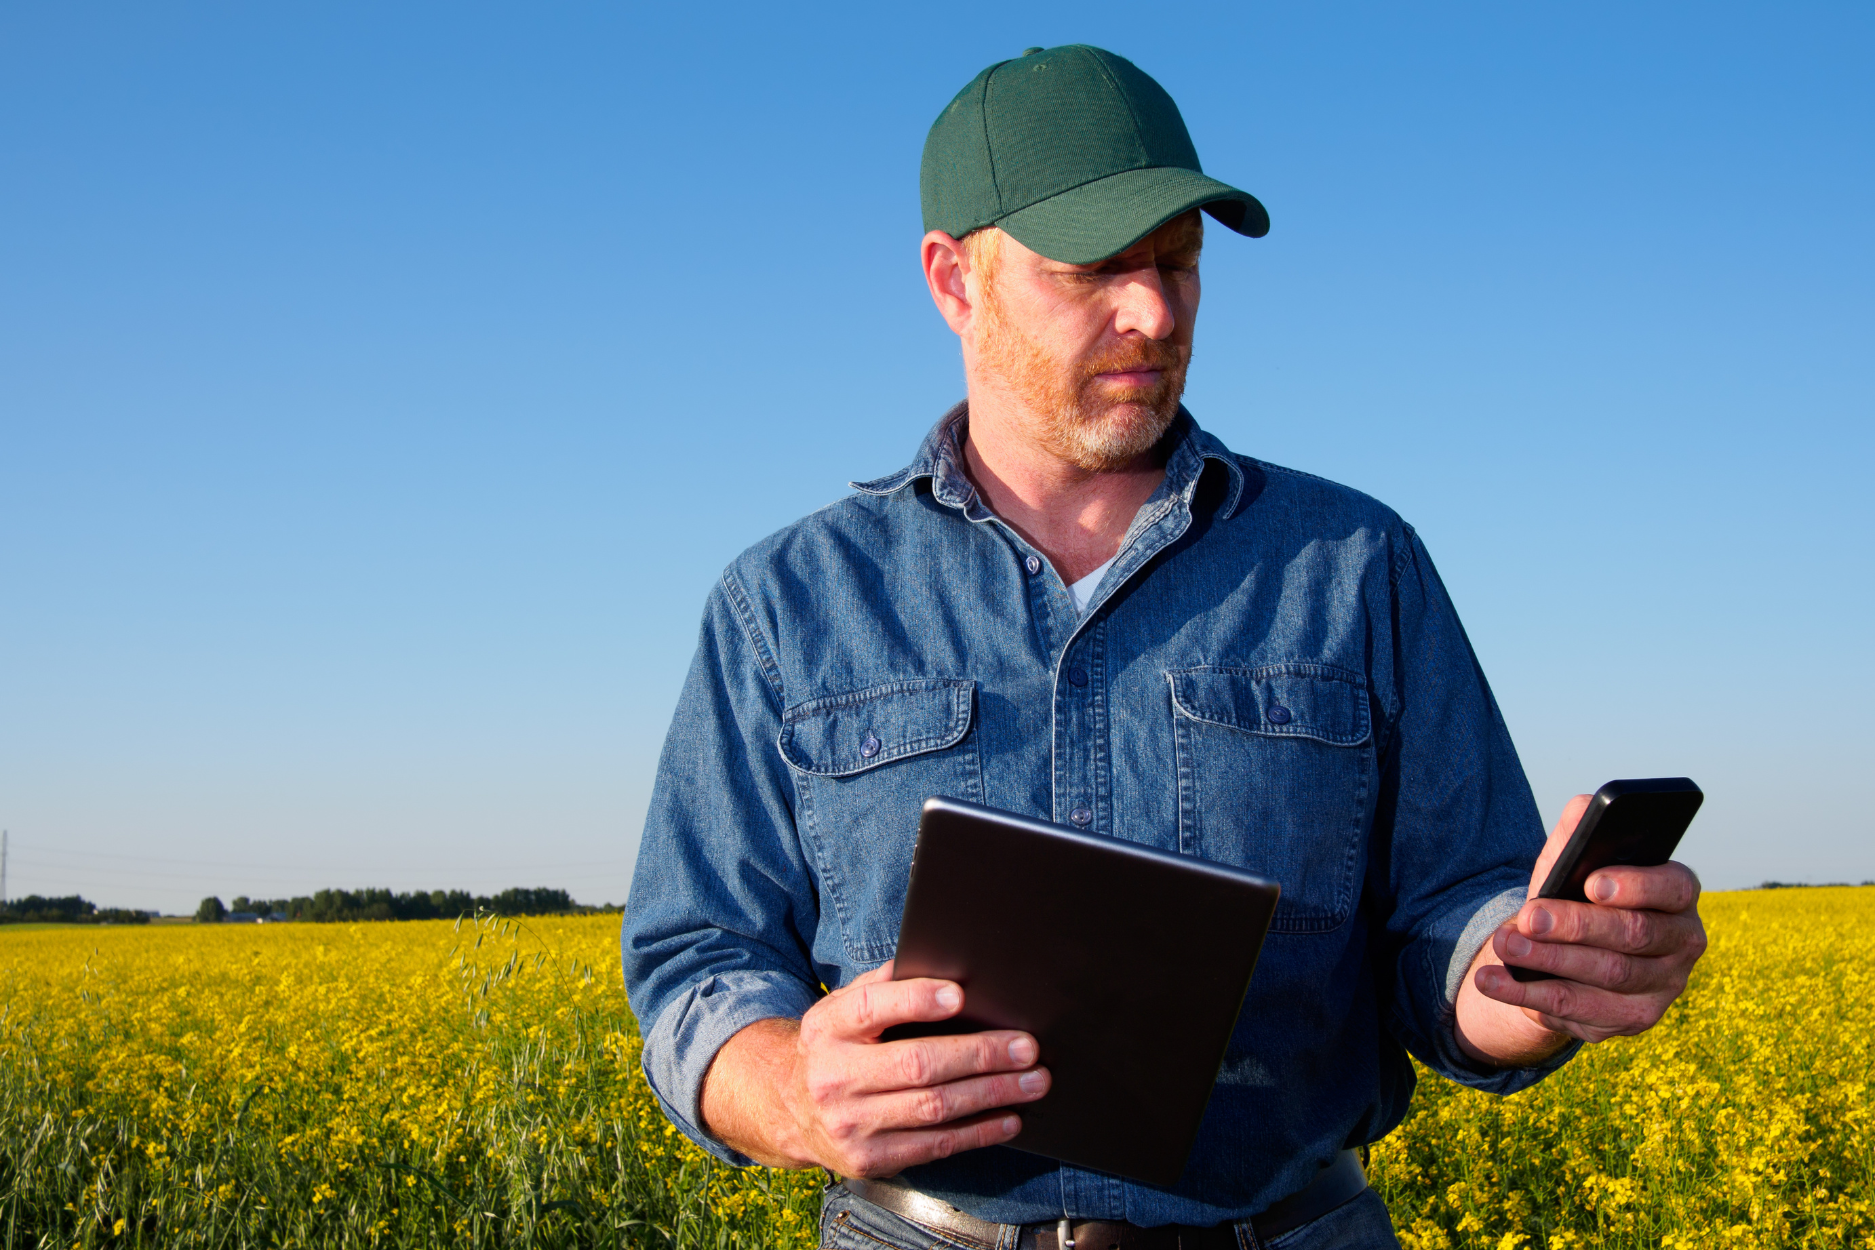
826	1091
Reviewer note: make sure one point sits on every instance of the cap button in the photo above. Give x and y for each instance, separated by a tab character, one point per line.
1032	51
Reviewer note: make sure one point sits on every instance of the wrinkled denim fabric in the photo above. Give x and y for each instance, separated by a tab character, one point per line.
849	1223
1270	675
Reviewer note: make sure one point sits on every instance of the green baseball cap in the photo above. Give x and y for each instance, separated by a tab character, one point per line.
1076	152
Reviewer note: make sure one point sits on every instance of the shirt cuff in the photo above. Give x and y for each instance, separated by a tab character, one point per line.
682	1044
1457	1064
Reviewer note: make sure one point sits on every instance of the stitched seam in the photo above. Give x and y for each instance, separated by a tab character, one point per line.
848	1226
1101	783
917	746
1232	471
746	614
1318	672
824	863
1288	668
922	746
1130	112
1307	735
1301	473
962	690
949	1236
989	149
1395	571
853	698
878	485
1185	762
1350	879
973	757
1400	558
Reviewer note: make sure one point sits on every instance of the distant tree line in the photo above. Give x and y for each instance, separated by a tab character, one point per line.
71	909
348	905
1806	885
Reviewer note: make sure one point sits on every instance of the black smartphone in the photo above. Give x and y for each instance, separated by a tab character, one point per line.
1636	822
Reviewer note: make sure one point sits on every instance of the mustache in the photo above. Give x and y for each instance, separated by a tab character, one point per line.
1161	354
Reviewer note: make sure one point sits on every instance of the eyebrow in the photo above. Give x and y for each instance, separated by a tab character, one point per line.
1170	254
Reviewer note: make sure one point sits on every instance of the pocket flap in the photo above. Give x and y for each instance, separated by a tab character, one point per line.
845	734
1283	700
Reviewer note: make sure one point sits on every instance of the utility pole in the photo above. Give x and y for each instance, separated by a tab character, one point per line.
3	868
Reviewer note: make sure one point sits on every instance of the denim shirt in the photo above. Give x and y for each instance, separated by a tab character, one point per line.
1270	674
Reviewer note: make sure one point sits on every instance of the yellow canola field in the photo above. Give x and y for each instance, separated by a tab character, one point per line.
422	1084
1742	1119
386	1084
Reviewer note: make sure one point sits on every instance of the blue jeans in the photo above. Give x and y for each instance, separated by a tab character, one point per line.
850	1223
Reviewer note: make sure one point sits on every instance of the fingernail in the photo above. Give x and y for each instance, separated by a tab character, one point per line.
1541	921
1032	1082
1011	1124
950	998
1602	888
1517	944
1022	1051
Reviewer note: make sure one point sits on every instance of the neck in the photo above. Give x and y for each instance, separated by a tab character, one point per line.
1074	516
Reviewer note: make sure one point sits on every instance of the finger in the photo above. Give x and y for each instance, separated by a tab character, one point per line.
882	973
891	1153
1558	839
938	1105
927	1061
867	1010
1630	931
1583	1011
1591	965
1671	887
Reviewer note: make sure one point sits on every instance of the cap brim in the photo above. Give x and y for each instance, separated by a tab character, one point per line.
1102	218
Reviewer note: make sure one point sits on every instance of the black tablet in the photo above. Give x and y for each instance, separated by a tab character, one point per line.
1128	965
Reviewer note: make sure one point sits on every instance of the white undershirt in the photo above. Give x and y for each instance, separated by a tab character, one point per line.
1083	590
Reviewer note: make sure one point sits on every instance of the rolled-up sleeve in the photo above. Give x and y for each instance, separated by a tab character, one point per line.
722	911
1457	830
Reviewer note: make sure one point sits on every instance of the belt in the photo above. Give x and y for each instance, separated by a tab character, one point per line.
1341	1181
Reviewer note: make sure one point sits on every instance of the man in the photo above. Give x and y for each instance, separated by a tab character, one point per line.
1077	605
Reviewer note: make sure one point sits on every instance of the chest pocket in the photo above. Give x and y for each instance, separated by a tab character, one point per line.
865	762
1276	773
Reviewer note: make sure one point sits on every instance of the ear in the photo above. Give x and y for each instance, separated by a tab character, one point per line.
945	268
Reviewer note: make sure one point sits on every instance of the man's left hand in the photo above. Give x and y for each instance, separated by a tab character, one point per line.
1620	960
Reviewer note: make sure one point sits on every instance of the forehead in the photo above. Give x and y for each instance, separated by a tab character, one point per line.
1184	231
1183	234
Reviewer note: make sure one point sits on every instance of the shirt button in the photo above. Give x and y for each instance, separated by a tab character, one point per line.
1081	816
1279	715
870	747
1033	565
1077	676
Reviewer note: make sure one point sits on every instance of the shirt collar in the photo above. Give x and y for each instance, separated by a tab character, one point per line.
940	458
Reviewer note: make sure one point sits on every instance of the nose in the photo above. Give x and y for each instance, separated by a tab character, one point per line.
1144	306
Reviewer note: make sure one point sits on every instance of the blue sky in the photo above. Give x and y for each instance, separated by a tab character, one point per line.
381	387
